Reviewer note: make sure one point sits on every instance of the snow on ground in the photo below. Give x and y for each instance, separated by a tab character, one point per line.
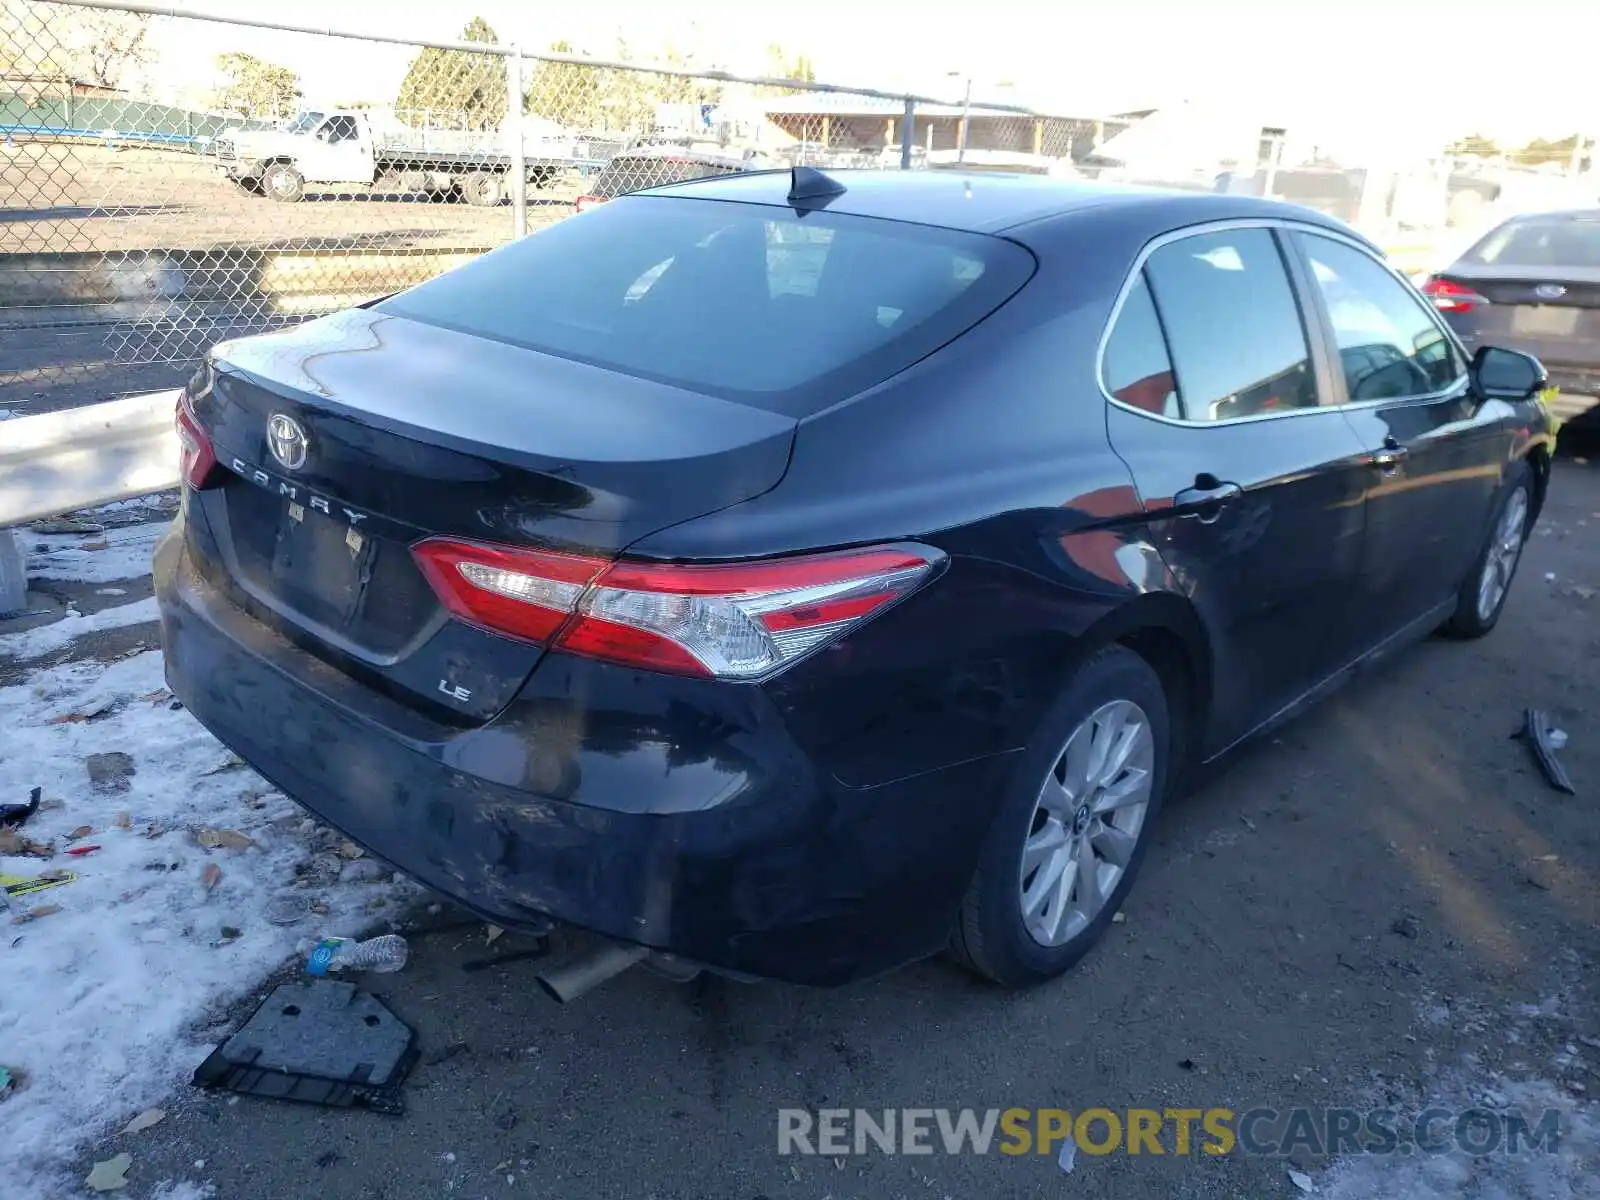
122	553
33	643
1571	1171
1544	1047
108	1003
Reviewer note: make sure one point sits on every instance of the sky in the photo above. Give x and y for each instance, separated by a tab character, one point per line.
1386	69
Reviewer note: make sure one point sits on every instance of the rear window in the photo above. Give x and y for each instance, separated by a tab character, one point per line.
754	303
1546	242
630	173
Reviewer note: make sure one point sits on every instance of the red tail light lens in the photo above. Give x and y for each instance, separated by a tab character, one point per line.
526	593
1451	297
731	621
196	458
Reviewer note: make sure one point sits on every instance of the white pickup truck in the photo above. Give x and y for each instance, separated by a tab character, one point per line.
339	148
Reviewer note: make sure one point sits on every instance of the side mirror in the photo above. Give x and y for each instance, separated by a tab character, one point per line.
1499	374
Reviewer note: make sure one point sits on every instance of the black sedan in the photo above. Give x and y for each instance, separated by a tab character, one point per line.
792	576
1533	283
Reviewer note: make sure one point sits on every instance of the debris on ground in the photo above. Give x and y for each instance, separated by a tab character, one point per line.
14	815
1301	1180
380	954
105	706
287	908
317	1042
149	1117
494	934
13	843
81	832
83	851
110	1175
109	772
13	886
64	525
362	870
34	913
10	1081
1119	918
232	839
1406	926
210	876
1536	731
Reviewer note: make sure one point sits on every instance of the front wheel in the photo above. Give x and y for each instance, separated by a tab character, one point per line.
1073	827
483	189
283	183
1483	595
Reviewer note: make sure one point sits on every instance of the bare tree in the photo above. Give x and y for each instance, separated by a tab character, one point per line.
84	45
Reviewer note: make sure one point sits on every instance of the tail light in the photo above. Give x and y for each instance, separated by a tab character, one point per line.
726	621
1451	297
196	458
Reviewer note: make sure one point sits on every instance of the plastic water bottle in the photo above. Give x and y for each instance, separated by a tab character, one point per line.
386	953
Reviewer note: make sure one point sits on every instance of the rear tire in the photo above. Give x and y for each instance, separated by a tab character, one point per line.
1483	596
1035	905
283	183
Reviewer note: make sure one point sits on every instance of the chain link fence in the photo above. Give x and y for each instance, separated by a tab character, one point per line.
140	225
141	222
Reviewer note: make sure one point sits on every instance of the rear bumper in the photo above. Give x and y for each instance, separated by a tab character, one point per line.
678	815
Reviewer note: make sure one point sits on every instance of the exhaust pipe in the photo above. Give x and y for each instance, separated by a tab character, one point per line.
568	982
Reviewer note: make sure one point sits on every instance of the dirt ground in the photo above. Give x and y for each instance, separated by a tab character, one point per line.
77	197
1382	904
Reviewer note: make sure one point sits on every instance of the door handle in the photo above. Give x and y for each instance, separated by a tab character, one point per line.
1389	458
1206	498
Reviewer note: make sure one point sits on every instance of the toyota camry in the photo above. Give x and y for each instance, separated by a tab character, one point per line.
792	575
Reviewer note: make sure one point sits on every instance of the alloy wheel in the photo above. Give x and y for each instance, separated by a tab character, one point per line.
1500	563
1086	822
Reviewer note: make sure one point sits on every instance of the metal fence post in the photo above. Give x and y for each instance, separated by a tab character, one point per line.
519	163
908	132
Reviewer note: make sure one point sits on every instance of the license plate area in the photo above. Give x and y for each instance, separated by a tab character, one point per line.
306	564
1544	320
322	560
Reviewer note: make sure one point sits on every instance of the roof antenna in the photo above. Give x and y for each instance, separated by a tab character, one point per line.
808	183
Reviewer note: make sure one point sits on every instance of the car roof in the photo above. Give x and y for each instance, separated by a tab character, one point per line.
1557	214
987	201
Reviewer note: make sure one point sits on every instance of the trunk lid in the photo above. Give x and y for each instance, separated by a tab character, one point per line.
1550	312
392	430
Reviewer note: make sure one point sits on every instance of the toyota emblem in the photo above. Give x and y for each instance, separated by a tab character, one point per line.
1549	291
287	440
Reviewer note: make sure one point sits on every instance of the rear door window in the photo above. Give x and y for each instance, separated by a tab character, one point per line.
1233	327
1137	369
1390	346
757	303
